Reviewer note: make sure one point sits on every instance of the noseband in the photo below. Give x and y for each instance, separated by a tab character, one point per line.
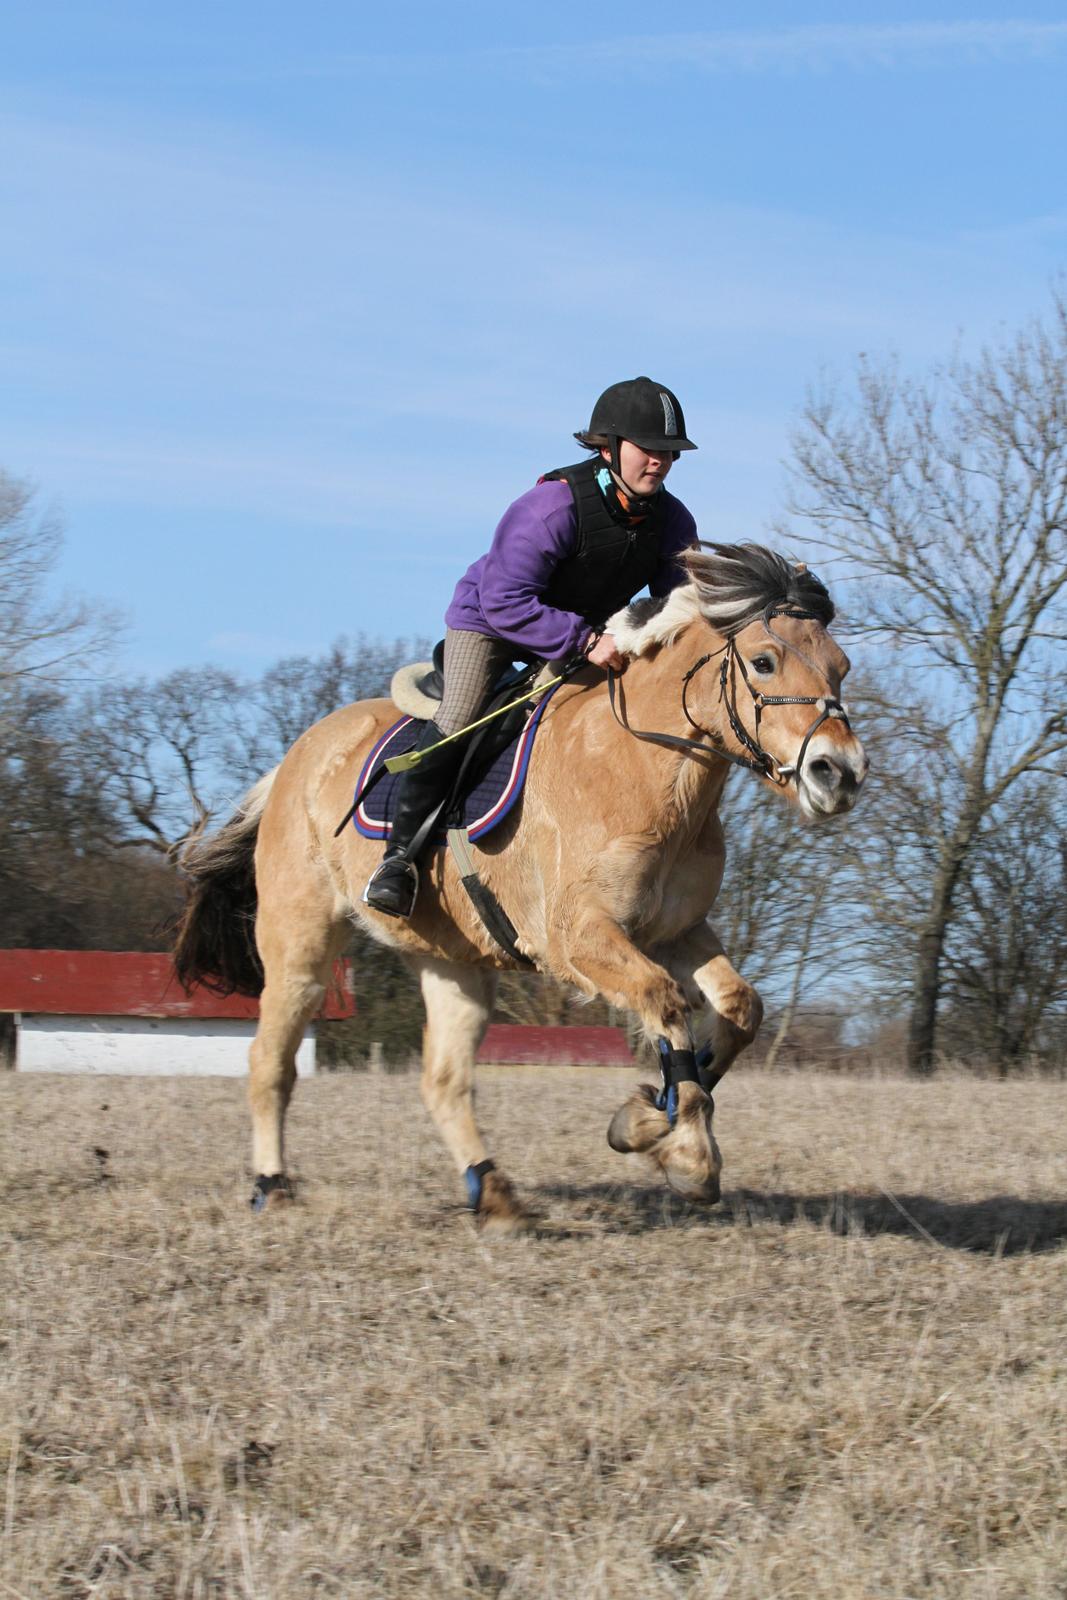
758	759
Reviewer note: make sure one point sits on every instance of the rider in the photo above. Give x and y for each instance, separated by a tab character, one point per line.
566	555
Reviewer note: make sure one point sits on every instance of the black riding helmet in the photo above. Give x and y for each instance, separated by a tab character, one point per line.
646	413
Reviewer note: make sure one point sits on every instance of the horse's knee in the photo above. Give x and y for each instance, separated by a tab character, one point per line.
598	958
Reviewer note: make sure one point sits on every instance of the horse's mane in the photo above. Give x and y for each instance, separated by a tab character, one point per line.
736	583
730	585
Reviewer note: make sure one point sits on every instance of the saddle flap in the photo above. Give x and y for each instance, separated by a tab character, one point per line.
492	784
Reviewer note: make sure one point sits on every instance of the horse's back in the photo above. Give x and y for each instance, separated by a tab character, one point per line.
341	736
318	773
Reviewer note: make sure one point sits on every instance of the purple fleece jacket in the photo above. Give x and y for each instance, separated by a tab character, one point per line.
500	595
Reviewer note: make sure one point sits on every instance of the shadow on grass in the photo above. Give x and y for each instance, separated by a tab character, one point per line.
1001	1225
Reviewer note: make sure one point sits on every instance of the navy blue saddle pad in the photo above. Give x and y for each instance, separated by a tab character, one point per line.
486	804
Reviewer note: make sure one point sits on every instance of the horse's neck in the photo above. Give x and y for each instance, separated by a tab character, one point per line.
655	685
651	693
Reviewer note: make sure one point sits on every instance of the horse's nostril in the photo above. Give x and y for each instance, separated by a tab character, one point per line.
834	778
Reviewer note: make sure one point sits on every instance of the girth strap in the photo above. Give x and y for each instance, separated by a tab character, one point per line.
495	919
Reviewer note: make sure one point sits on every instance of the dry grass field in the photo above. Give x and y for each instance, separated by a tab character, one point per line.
847	1380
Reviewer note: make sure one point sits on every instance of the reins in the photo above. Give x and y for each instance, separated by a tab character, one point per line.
758	759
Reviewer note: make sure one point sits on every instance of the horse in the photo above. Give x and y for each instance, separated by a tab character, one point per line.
608	868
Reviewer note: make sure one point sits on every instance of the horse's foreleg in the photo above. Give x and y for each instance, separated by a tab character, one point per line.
597	954
458	1001
728	1011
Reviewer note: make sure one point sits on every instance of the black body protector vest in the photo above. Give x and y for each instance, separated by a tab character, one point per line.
611	561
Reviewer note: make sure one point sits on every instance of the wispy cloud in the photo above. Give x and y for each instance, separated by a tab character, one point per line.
819	47
232	343
813	47
195	473
250	328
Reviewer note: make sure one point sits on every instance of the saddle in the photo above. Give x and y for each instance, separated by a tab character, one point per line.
417	688
493	769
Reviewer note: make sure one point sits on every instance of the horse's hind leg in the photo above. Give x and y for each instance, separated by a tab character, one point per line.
299	938
458	1001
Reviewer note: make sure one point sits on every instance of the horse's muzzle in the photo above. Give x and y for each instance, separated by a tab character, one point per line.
831	782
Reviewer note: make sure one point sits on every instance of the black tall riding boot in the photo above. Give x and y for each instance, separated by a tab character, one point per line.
395	883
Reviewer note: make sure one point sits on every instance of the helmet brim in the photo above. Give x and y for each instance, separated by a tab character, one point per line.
602	441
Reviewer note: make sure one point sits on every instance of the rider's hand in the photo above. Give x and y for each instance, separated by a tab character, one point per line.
605	653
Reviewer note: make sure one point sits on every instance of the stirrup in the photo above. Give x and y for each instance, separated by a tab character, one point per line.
392	887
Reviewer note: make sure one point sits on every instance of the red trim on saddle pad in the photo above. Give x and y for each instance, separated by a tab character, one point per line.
486	806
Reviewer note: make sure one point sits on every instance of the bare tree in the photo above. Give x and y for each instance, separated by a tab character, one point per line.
948	499
789	913
42	638
169	754
52	875
299	690
162	753
1006	954
60	884
526	998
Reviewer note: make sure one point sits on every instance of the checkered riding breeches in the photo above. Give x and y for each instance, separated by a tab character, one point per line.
473	662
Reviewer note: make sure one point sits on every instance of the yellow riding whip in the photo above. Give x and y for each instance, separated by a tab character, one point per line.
413	757
404	763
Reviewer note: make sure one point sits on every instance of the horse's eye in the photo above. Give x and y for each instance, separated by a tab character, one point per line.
764	664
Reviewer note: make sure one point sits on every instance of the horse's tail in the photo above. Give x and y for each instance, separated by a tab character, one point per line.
215	944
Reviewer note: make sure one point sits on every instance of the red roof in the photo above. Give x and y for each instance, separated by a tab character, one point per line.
99	983
528	1046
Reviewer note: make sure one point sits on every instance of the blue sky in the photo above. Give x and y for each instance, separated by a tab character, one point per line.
293	301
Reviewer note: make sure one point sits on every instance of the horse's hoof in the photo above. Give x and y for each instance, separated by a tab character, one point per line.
272	1192
499	1208
702	1189
639	1123
688	1156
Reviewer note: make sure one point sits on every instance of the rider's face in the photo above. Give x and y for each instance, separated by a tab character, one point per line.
642	470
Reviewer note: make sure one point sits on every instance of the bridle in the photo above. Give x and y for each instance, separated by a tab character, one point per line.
757	759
